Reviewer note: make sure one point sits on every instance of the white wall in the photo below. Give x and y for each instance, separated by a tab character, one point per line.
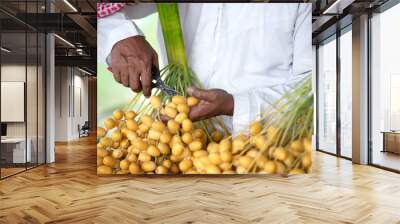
81	84
70	83
61	103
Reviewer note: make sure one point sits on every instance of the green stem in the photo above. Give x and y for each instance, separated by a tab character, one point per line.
172	33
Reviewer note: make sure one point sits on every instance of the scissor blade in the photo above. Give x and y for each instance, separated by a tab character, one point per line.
168	90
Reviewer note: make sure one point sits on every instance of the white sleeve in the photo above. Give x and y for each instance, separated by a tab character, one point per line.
119	26
302	38
249	105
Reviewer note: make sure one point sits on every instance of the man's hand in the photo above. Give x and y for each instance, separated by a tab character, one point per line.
213	102
131	61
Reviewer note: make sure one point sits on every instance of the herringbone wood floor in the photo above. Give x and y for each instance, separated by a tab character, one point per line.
70	192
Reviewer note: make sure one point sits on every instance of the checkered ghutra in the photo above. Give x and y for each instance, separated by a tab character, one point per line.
106	9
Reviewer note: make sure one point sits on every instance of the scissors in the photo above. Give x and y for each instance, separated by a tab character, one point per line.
158	83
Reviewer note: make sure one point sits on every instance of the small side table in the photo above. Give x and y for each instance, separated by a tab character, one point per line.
391	141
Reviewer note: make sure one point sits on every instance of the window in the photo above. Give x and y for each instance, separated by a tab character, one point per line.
327	96
346	93
385	89
22	76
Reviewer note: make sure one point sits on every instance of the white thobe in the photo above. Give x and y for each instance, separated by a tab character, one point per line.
254	51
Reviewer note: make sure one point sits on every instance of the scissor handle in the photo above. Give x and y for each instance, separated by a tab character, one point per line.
155	73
